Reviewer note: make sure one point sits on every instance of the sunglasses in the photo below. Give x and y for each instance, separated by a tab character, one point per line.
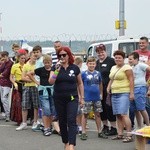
60	55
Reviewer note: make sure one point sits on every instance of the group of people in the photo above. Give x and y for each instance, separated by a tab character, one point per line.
66	95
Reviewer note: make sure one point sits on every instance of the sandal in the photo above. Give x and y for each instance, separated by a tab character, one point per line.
118	137
127	139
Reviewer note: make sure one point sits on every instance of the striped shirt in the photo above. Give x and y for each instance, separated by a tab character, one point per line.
54	58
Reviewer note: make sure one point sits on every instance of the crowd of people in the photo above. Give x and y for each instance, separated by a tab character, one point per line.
55	86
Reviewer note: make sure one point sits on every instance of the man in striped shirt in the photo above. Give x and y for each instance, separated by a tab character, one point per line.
57	46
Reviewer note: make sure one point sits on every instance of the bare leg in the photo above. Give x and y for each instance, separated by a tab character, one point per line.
35	114
56	126
98	121
120	124
139	119
145	116
47	120
84	119
127	123
24	116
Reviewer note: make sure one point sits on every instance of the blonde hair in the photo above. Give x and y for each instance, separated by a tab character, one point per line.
15	45
78	60
91	59
47	58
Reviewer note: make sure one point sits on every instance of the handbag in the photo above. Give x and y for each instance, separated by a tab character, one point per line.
108	98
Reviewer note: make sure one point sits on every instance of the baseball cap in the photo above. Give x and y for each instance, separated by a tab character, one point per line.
21	51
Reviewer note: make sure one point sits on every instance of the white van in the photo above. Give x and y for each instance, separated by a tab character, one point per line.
126	45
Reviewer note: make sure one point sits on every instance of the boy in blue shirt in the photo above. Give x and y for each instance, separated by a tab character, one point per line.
93	91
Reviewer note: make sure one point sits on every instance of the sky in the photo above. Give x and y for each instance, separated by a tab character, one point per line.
62	18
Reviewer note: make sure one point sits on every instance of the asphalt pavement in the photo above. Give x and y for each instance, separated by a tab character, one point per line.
10	139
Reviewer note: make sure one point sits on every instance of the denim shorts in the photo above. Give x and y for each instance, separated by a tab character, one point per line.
120	103
47	105
95	106
139	101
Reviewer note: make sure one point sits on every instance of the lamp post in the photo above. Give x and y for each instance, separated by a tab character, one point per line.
121	23
121	18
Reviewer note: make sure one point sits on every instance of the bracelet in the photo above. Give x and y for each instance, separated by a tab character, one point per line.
56	72
54	76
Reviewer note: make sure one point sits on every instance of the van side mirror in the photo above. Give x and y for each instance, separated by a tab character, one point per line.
84	58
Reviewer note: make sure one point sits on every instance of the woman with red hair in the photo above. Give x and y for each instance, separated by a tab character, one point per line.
66	78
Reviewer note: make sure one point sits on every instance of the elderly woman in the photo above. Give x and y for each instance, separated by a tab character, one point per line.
66	78
121	85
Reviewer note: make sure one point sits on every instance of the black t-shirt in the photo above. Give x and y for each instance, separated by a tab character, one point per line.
66	82
105	68
44	75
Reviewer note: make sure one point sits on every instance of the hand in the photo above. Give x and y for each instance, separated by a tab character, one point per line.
148	93
58	65
131	96
81	102
108	90
16	86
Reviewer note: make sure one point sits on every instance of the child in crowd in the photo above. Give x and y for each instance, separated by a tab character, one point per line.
140	89
78	61
45	93
30	94
93	91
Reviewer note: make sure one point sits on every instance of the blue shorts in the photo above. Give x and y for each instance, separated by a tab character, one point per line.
139	101
120	103
47	105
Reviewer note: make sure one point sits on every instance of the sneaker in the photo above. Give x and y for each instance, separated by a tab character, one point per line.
22	126
3	114
83	136
112	131
36	127
47	132
7	119
79	133
105	129
102	135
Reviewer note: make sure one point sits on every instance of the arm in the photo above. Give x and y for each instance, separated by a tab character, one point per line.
109	86
25	77
53	76
6	72
31	76
129	74
80	89
101	90
12	79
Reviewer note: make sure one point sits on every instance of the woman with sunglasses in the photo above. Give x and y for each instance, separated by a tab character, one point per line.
66	78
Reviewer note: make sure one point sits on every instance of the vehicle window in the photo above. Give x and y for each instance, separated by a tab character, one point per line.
108	49
127	47
89	51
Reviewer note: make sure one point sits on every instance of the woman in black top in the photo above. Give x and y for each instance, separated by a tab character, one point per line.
66	78
104	64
